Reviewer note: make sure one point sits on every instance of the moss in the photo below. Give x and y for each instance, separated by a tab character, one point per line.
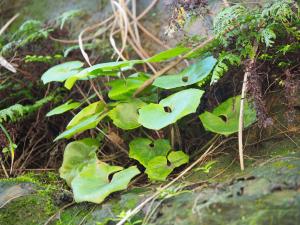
35	207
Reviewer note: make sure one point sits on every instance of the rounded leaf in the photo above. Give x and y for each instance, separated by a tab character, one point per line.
62	71
225	118
197	72
125	115
77	155
180	104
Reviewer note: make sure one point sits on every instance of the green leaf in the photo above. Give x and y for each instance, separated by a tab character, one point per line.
122	89
93	185
158	168
91	109
103	69
84	124
196	72
69	105
77	155
153	156
125	115
180	104
62	71
178	158
168	54
144	150
225	118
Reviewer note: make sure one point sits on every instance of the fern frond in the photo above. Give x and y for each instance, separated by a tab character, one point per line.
18	111
281	10
227	20
225	60
68	15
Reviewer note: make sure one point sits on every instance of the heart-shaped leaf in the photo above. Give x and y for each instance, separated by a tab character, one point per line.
62	71
144	150
225	118
170	109
195	73
77	155
125	115
153	156
160	167
92	183
69	105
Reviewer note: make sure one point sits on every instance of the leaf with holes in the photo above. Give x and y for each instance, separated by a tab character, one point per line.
62	71
144	150
92	183
170	109
153	156
77	155
125	115
197	72
122	89
225	118
69	105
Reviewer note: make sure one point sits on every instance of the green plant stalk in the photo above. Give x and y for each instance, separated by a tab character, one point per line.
11	148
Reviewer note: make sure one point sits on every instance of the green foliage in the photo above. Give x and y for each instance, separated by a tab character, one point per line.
88	176
28	32
18	111
225	60
197	72
225	118
245	26
67	16
170	109
156	157
125	115
41	58
69	105
122	89
61	72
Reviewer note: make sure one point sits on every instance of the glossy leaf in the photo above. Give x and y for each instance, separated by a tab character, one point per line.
90	110
125	115
62	71
225	118
77	155
197	72
92	184
69	105
153	156
180	104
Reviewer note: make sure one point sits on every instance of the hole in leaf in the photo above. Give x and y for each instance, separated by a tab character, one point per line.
185	79
110	176
168	163
167	109
151	145
224	118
